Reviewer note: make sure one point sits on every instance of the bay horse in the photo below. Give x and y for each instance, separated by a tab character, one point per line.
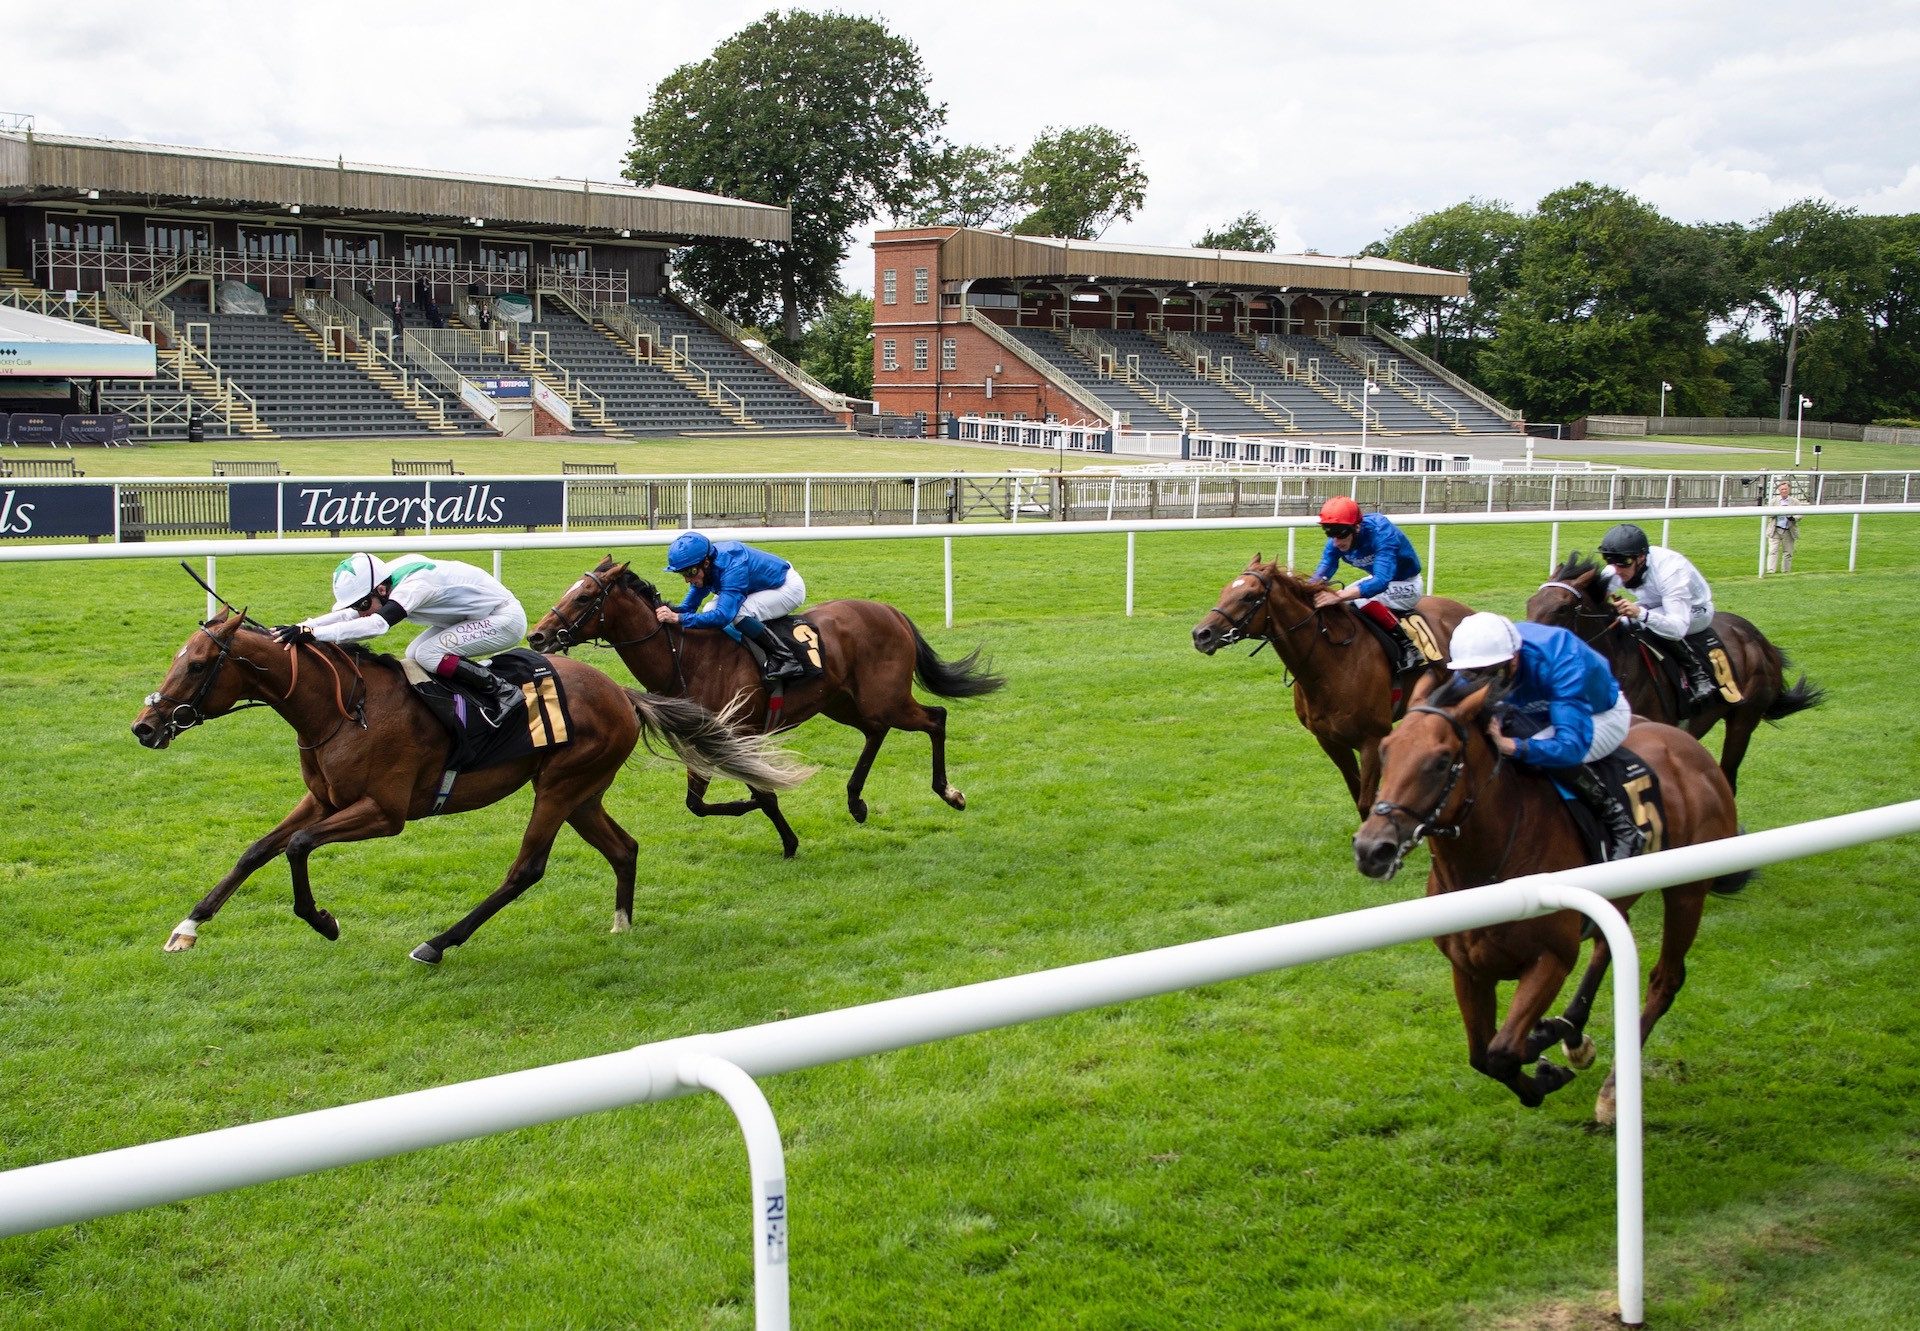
372	755
1345	691
1576	599
870	655
1491	820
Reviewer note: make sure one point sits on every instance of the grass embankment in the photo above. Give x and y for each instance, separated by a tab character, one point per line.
1308	1149
1769	452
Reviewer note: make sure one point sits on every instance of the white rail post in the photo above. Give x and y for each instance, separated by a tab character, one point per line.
1130	536
1628	1159
211	584
766	1165
1291	533
496	566
1553	551
689	503
1433	534
947	541
1853	545
1666	525
1423	492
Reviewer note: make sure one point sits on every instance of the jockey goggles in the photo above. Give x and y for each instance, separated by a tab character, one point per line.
1337	530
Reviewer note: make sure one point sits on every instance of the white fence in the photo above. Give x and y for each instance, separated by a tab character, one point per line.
87	1187
946	532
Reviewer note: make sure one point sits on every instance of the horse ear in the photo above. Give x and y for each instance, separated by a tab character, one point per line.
1257	560
605	563
229	624
1424	687
1472	705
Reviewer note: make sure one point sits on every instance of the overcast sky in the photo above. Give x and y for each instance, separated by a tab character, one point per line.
1336	121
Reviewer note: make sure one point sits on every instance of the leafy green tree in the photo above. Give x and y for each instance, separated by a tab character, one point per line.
825	113
1481	238
1077	182
1809	259
1893	320
1249	231
971	185
1611	298
838	346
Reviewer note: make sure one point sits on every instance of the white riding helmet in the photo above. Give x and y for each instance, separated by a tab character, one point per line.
355	578
1483	639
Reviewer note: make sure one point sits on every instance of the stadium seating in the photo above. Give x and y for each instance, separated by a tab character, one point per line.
771	401
1474	417
1314	411
1052	349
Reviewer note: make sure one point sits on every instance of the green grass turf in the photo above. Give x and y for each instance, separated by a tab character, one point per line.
515	457
1772	453
1307	1149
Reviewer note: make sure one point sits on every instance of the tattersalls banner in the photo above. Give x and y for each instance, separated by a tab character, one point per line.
317	508
55	510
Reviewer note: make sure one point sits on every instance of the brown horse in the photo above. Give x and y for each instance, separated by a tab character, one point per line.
1492	820
1576	599
1344	690
372	756
870	655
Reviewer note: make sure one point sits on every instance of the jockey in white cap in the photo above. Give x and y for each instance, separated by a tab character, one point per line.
468	613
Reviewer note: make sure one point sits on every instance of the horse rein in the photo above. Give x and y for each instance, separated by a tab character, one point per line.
1238	628
568	634
1580	611
186	713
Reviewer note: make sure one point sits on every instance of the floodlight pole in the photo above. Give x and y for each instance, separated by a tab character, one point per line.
1798	410
1665	388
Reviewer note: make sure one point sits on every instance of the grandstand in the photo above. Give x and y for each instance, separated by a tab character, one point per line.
978	323
293	297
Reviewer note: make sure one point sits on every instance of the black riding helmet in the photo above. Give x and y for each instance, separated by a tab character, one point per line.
1622	544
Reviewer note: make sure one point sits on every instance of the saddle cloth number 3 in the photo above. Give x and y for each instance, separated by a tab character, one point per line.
809	642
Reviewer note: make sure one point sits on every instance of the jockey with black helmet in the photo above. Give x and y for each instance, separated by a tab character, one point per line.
1671	598
749	587
467	611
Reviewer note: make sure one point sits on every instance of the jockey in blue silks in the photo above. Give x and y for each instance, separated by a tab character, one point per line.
1561	696
1382	551
748	587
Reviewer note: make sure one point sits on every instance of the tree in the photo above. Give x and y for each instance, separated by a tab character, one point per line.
1481	238
1078	182
838	347
1610	299
971	185
827	114
1808	257
1249	231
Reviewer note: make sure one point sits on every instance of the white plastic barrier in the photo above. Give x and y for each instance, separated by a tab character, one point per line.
86	1187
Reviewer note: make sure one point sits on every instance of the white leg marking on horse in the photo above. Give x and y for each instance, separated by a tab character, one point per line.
621	922
1583	1056
1603	1111
183	936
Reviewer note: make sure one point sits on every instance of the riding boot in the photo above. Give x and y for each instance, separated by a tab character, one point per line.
1411	657
1700	685
781	663
1624	836
498	698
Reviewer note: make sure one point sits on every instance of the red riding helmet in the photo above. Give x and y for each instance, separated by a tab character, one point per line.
1341	509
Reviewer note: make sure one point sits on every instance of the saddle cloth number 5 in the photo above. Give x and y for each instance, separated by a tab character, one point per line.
1645	815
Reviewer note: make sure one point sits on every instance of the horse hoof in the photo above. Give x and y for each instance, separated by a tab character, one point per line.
1582	1056
858	808
1603	1108
326	926
427	954
953	796
180	942
621	922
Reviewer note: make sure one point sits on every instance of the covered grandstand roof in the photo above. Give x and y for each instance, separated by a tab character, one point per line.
969	253
34	346
67	168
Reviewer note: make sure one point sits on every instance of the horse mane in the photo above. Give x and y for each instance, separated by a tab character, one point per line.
648	592
1278	573
1576	565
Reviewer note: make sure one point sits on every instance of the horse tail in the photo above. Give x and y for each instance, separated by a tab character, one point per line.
964	678
710	746
1799	698
1728	884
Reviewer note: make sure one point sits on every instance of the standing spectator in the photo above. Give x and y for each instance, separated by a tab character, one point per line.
399	323
422	293
1783	532
486	318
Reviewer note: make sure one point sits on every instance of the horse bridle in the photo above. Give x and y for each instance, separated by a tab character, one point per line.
1580	611
188	712
1428	824
567	635
1237	629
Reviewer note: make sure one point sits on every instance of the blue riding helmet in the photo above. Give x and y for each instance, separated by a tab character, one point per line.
688	548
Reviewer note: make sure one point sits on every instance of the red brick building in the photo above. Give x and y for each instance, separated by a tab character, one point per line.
937	288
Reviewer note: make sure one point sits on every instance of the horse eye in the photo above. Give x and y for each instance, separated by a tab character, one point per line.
195	667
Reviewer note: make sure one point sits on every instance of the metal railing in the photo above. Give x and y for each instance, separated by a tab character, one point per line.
89	1187
1442	373
1034	361
85	307
757	348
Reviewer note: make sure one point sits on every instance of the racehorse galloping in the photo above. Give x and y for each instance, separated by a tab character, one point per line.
1343	685
870	654
372	756
1576	599
1442	779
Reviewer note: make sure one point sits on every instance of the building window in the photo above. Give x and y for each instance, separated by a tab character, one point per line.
949	354
353	246
507	258
1019	415
269	242
569	259
889	287
177	237
889	354
86	233
919	353
919	286
432	251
